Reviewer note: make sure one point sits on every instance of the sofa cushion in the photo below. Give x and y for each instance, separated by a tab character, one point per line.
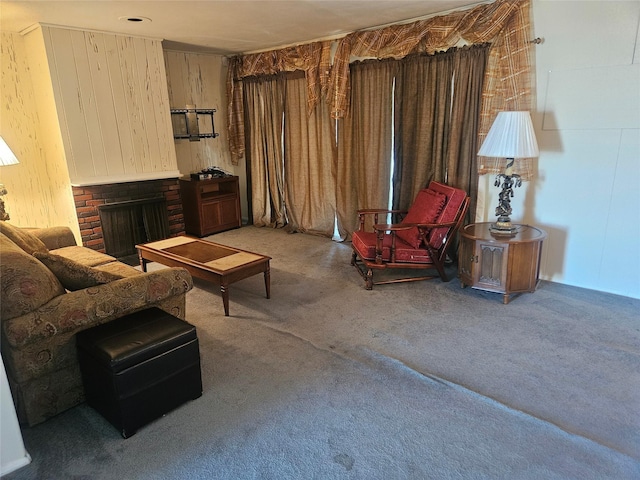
425	209
23	238
118	268
74	275
83	255
25	282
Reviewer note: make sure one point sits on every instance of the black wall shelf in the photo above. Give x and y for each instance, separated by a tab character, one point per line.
193	123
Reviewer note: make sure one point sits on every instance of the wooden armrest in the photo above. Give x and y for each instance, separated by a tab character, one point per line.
376	212
367	211
393	227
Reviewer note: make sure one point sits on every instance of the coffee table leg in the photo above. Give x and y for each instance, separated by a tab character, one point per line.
143	262
224	289
267	281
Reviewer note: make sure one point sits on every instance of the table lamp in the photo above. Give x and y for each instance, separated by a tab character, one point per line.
6	158
511	136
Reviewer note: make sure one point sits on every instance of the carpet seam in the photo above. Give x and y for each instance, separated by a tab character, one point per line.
455	386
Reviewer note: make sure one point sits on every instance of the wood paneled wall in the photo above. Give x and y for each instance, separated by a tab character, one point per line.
197	79
113	106
39	192
200	79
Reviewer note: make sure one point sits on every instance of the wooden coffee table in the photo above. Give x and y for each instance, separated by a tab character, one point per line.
219	264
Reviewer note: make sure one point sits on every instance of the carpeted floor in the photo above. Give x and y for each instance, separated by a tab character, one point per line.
409	381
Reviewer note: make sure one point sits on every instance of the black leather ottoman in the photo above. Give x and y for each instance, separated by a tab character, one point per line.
139	367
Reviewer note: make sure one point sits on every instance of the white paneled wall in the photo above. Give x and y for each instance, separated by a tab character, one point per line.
113	106
592	98
587	190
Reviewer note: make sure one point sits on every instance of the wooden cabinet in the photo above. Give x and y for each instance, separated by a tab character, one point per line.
504	264
210	206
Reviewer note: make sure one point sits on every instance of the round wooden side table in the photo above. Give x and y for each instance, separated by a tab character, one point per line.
503	264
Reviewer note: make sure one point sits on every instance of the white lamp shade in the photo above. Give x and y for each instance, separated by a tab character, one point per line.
510	136
6	155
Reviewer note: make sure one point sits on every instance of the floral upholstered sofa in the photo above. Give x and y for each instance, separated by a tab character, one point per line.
51	289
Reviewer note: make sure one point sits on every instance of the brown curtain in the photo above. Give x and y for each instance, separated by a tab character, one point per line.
422	122
365	142
505	23
264	107
462	169
236	112
312	58
309	152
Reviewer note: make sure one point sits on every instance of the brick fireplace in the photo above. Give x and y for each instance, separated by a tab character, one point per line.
89	198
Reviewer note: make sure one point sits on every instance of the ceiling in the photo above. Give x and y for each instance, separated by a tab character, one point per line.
222	26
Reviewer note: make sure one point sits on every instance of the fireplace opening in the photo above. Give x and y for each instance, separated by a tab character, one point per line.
128	223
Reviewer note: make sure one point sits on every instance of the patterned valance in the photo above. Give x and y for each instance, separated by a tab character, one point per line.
505	23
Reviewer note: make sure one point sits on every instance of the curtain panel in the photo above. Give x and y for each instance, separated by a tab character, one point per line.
461	158
309	163
422	123
264	99
506	23
365	138
291	155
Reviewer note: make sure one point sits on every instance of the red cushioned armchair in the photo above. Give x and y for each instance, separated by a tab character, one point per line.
419	242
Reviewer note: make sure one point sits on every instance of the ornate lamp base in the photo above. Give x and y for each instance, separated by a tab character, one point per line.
503	227
3	214
509	181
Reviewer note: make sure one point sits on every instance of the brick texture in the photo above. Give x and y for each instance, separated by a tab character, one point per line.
87	200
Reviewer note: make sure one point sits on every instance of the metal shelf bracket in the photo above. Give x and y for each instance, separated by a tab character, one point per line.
193	123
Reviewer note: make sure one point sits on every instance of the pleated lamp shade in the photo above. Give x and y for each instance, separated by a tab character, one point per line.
6	155
510	136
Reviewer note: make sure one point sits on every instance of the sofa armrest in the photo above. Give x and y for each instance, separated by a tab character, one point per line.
55	237
82	309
